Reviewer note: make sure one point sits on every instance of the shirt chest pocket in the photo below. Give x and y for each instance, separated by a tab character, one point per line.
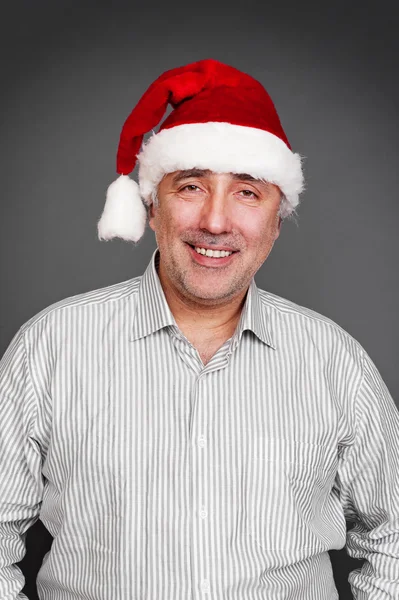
288	483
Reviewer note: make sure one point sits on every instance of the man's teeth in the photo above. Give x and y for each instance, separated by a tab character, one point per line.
213	253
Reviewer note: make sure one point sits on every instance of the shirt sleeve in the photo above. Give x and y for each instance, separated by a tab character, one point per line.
21	484
369	490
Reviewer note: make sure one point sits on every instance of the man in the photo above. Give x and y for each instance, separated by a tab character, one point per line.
185	434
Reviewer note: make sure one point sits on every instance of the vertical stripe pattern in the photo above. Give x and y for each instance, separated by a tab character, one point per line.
161	478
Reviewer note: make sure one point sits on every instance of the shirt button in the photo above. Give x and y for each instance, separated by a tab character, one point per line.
205	586
203	512
201	441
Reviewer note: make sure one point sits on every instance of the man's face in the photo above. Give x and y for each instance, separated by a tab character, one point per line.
200	211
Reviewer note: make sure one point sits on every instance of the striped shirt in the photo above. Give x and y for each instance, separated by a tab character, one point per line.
164	479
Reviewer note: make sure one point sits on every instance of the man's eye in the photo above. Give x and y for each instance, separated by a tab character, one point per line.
248	194
190	187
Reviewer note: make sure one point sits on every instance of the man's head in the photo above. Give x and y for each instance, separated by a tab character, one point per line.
214	231
223	121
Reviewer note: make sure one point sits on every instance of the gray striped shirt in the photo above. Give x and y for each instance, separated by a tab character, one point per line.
164	479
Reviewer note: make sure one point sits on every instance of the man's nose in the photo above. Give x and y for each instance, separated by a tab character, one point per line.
215	213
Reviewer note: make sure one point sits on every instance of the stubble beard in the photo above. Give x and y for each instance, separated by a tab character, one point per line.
181	278
206	294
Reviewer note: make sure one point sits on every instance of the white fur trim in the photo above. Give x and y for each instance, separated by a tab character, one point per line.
124	214
222	148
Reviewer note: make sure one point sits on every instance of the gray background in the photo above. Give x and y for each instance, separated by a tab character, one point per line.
72	71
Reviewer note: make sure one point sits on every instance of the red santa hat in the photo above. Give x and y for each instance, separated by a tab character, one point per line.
222	120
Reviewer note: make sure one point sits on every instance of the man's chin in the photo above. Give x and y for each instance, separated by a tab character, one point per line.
211	294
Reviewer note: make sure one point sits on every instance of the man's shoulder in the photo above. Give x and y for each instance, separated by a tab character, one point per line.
97	298
288	307
303	321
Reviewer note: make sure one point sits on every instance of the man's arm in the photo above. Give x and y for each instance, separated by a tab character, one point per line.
21	485
368	481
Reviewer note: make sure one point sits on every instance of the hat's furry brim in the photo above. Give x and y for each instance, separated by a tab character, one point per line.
221	148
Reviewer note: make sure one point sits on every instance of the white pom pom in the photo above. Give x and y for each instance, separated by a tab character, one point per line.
124	214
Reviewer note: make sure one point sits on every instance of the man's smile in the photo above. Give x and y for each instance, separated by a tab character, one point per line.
215	257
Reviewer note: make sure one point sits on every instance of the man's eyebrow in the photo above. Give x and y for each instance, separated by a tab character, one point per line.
190	173
187	173
250	178
247	177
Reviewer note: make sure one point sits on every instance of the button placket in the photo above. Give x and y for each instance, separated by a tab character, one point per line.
200	418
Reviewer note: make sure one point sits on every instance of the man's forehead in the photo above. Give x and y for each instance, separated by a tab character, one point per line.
187	173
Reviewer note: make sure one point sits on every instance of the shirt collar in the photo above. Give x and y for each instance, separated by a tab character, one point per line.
153	312
255	318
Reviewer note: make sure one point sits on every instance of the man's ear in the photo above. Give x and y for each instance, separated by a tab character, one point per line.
151	215
278	230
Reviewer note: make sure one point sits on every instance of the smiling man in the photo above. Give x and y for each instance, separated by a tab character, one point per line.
213	231
185	434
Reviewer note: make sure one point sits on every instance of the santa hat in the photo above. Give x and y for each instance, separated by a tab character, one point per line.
222	120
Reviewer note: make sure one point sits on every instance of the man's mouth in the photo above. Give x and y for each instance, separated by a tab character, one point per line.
211	257
212	253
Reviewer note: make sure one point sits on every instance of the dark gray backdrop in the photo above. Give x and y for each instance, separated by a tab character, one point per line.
72	71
